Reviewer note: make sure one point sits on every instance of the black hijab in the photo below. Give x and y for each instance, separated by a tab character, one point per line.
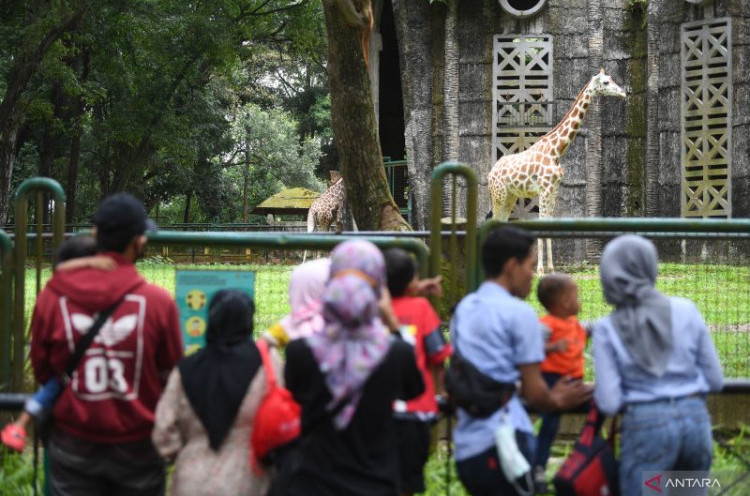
216	378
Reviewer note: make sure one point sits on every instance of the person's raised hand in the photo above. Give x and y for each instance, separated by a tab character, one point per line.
430	287
569	393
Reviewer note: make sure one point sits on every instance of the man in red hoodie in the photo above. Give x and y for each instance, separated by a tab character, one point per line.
100	443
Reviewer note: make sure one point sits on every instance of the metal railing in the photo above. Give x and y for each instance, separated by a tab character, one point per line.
301	241
38	185
6	307
436	221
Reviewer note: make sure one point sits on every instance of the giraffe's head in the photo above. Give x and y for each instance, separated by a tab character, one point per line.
603	85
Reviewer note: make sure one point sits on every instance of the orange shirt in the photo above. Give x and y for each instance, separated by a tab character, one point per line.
570	361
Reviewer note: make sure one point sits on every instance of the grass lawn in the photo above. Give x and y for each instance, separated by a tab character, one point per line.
721	292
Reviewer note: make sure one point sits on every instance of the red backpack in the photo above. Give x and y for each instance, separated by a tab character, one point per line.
277	421
591	469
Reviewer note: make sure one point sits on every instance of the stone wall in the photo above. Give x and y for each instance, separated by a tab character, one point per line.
624	123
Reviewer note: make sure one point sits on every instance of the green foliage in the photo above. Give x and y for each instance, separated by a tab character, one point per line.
148	86
17	473
637	5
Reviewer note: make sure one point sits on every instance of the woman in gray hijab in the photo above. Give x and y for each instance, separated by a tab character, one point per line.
655	362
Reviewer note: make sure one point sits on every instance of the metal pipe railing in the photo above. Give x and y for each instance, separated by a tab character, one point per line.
312	241
16	401
602	227
36	184
6	307
436	206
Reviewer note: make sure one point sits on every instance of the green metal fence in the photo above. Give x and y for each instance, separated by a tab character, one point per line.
706	261
452	272
6	307
42	186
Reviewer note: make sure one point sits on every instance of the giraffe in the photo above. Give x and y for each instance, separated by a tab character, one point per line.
327	210
537	170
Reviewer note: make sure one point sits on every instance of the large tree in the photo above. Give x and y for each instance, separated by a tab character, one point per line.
349	24
135	94
413	28
34	39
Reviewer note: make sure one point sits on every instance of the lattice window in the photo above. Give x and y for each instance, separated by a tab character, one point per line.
706	118
522	96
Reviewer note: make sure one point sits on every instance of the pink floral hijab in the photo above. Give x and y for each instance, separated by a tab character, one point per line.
354	341
306	288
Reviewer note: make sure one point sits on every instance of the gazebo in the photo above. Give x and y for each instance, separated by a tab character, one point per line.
288	202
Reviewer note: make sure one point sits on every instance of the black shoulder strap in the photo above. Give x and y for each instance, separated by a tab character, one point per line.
87	339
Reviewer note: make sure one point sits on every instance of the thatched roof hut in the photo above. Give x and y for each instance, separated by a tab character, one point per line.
291	201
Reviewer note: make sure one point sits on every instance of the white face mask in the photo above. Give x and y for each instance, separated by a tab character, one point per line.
512	461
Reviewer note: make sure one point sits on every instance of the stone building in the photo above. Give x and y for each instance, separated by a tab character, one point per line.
469	80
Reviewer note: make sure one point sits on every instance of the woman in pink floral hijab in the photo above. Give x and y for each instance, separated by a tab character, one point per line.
354	339
306	288
346	378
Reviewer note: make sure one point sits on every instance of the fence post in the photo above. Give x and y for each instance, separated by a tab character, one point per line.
436	194
6	307
23	192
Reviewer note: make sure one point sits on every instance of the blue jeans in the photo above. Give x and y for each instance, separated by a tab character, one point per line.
663	435
548	429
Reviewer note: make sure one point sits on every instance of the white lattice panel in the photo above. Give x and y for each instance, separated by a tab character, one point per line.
522	96
706	118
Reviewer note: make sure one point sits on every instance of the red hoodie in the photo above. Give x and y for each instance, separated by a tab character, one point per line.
113	394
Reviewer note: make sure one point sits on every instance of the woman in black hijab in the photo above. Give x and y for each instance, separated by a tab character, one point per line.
204	419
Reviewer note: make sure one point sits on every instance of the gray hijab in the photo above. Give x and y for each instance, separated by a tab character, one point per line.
643	315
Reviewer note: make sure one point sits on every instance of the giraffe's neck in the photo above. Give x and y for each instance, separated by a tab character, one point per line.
563	134
337	188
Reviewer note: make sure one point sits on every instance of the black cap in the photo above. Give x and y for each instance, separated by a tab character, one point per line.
120	217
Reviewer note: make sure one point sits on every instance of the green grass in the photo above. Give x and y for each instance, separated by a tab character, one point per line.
731	461
721	292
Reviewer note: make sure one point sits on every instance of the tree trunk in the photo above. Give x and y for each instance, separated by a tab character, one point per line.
9	135
594	141
245	179
75	145
188	201
349	23
450	90
25	66
653	11
413	30
75	155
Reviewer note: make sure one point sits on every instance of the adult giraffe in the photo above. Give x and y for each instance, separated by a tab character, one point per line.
328	210
537	170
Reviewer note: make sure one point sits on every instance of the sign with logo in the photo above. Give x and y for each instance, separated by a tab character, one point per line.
194	290
682	483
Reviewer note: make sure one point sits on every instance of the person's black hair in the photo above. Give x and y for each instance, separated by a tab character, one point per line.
400	268
119	218
501	245
230	318
76	247
551	287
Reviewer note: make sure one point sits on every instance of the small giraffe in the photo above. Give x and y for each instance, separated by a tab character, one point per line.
537	170
327	210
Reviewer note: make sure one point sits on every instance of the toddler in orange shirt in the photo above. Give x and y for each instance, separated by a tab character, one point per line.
564	347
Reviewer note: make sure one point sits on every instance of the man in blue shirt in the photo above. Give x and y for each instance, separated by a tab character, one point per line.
499	333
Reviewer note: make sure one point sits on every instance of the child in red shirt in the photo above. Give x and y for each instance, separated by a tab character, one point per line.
421	327
564	347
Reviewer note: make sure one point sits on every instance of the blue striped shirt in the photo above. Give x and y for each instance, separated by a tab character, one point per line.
693	366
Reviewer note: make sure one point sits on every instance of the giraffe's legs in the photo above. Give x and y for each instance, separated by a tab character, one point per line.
546	209
550	266
539	256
